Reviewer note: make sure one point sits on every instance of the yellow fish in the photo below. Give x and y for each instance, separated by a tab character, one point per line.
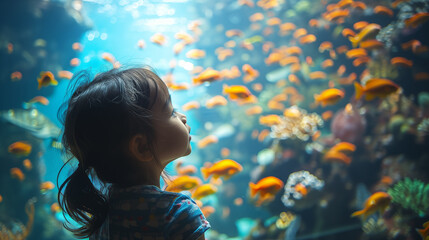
378	201
204	191
183	183
368	32
223	168
46	79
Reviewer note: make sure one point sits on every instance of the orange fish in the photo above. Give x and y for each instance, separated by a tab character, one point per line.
417	19
195	54
177	86
273	21
46	79
46	186
217	100
286	27
360	25
77	46
27	164
1	198
204	191
236	92
234	33
376	87
313	22
274	105
424	232
250	73
383	10
39	99
294	79
327	115
263	134
317	75
185	170
347	32
256	17
223	168
17	173
415	45
421	76
225	152
257	87
368	32
378	201
16	76
207	210
207	141
344	147
341	70
294	50
329	96
208	75
300	188
187	39
190	105
397	2
20	148
55	208
299	33
357	52
141	44
360	60
183	183
342	49
267	188
178	48
270	120
400	61
307	39
333	156
158	39
108	57
222	53
371	44
325	46
327	63
358	4
65	74
254	110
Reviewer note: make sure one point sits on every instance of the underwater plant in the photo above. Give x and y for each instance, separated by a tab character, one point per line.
411	194
19	231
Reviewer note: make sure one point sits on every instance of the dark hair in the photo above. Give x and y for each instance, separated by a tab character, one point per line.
99	119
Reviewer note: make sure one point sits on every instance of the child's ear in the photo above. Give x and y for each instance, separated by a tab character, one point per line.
139	149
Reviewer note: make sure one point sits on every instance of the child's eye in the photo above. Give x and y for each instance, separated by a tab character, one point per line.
174	112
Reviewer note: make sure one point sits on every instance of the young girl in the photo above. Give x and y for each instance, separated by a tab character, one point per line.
122	128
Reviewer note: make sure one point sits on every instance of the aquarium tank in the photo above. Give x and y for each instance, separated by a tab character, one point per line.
318	108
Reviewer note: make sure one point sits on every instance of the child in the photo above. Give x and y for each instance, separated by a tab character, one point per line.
122	128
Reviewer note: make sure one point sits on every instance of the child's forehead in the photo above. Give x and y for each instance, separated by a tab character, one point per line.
162	95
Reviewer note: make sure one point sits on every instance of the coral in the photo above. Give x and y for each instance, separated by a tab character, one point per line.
374	227
296	124
411	194
22	230
303	179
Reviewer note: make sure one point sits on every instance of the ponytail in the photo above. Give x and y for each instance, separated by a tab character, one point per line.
83	202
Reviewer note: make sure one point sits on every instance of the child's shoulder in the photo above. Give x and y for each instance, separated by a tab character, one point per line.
148	191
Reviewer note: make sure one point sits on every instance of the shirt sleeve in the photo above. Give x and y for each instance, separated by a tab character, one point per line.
184	220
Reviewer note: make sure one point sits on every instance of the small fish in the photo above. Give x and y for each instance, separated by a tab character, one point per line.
250	73
360	25
185	37
424	232
46	79
65	74
356	52
347	32
191	105
185	170
383	10
141	44
329	96
211	139
267	188
183	183
223	168
77	46
207	210
324	46
371	44
195	54
208	75
108	57
301	188
17	173
270	120
401	61
378	201
376	87
333	156
20	148
263	134
317	75
204	191
234	33
368	32
236	92
46	186
225	152
256	17
327	63
254	110
309	38
39	99
344	147
417	19
16	76
158	39
27	164
74	62
217	100
327	115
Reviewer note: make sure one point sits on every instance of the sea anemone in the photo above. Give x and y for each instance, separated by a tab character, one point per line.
411	194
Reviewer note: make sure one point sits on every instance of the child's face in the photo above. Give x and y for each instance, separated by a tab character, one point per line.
172	139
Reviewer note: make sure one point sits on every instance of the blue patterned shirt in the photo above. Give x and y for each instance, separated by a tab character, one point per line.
147	212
